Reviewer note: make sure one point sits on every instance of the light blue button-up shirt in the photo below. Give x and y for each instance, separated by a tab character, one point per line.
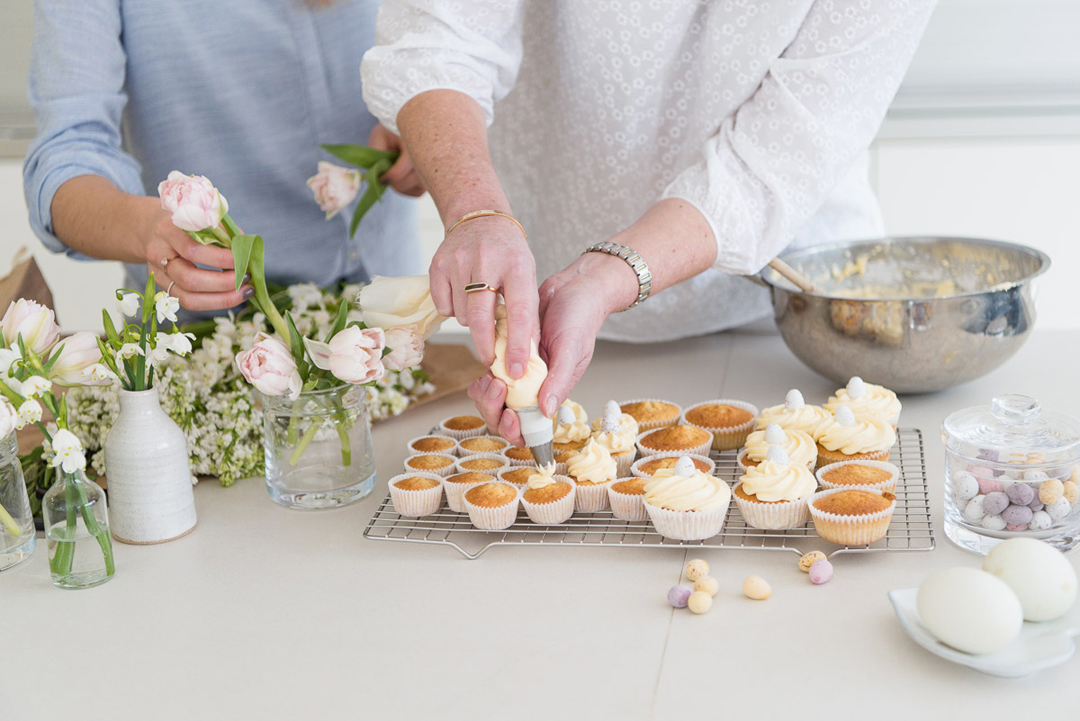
242	92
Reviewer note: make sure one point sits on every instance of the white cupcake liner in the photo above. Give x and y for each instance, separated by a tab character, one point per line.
687	525
493	519
455	492
701	450
445	471
730	437
886	485
414	504
812	464
461	435
850	530
591	499
463	451
627	506
653	425
773	516
554	512
451	451
503	461
624	462
635	469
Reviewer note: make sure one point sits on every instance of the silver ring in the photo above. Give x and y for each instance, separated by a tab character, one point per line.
168	291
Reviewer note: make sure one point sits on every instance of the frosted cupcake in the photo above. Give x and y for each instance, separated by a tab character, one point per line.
593	470
798	445
577	409
648	466
685	504
548	499
569	434
621	447
772	495
867	399
628	425
794	415
847	438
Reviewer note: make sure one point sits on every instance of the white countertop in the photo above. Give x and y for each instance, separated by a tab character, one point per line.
266	613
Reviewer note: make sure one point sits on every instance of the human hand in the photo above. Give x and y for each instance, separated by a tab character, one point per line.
402	176
489	395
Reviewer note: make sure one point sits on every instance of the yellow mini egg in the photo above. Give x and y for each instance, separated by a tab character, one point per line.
1051	490
696	569
1072	492
808	560
708	584
699	602
757	588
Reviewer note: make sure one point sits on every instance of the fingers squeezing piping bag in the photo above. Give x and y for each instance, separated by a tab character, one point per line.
522	393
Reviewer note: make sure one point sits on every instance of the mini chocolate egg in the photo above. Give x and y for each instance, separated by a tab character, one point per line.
1020	493
807	560
1071	491
708	584
973	511
993	523
1051	490
1036	505
1016	515
677	595
965	487
990	485
1040	521
970	610
699	602
981	471
1039	574
756	587
821	571
1058	509
995	503
1035	476
1075	475
696	568
1014	527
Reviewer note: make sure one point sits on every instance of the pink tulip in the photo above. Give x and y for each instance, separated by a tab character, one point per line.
406	349
34	322
193	200
334	187
269	366
354	355
77	360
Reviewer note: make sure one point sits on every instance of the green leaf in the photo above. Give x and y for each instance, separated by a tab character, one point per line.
53	357
110	329
231	226
361	155
296	342
339	322
243	248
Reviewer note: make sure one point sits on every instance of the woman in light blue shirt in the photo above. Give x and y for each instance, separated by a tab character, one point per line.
242	92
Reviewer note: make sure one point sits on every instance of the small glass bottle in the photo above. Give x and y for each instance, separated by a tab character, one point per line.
18	537
77	532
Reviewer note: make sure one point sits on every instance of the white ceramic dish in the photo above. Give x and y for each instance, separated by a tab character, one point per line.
1039	646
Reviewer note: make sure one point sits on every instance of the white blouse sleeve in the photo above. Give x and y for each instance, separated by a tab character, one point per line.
472	46
775	160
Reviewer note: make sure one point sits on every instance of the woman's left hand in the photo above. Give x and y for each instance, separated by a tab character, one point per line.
402	176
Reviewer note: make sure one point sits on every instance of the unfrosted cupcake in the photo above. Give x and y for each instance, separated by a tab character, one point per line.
685	504
593	470
852	516
456	485
519	456
490	463
482	444
437	463
847	438
444	445
621	448
548	498
646	467
462	427
772	495
516	476
867	399
682	438
416	494
798	445
651	413
794	415
491	506
569	434
627	499
729	422
876	475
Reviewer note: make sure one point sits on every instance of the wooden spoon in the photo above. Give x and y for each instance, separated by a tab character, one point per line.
800	280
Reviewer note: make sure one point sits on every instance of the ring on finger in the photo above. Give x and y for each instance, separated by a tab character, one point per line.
477	287
165	262
168	291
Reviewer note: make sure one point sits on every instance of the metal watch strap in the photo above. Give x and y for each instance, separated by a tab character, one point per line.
634	260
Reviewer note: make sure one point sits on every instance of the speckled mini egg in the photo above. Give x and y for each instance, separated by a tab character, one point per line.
808	559
993	523
990	485
964	487
708	584
1020	493
678	594
973	511
1036	505
1016	515
699	602
1014	527
1071	491
1051	490
696	568
1058	509
1040	521
821	571
1075	475
756	587
1035	476
980	471
995	503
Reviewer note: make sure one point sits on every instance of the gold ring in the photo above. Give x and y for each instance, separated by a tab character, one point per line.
168	291
476	287
165	262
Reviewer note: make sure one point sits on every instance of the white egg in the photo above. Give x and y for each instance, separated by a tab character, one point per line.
1039	574
970	610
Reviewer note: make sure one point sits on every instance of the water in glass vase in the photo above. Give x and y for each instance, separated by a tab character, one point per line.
76	556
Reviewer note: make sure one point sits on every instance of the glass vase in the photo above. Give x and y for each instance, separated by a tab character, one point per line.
318	448
77	532
18	537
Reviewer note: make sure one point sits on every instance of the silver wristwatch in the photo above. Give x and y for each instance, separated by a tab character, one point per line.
644	275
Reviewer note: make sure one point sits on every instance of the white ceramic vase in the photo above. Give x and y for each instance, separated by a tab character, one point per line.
149	479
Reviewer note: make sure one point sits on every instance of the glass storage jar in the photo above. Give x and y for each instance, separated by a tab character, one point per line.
1011	469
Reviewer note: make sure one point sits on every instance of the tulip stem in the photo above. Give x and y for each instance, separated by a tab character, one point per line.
8	522
305	440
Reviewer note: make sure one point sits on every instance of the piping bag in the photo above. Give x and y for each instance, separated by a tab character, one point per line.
522	394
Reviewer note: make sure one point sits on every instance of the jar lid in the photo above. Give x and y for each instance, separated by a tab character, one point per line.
1014	428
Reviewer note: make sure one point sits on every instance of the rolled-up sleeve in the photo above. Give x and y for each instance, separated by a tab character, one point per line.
472	46
76	89
774	162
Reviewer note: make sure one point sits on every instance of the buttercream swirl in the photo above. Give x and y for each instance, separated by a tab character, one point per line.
696	492
578	410
771	481
521	392
867	399
865	435
628	428
592	464
798	445
542	477
575	432
807	419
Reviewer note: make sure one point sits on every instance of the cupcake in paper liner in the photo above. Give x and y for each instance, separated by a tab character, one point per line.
433	445
877	475
729	422
416	494
799	446
482	444
593	470
852	516
848	437
568	433
438	463
681	438
516	476
646	466
619	444
772	495
628	425
626	496
685	504
456	485
461	427
867	399
489	463
794	415
650	413
492	506
548	498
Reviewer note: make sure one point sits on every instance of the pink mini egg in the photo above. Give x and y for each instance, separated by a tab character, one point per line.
1014	527
990	485
821	572
981	471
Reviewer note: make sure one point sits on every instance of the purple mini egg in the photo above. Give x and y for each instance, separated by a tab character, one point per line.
995	503
990	485
988	454
678	595
1036	505
1020	493
821	572
1016	515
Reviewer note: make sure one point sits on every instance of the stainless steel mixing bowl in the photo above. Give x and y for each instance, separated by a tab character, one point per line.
913	314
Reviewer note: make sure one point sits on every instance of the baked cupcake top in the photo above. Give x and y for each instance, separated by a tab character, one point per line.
480	464
653	465
483	444
849	434
565	456
855	474
546	494
491	495
470	477
592	465
718	415
867	399
432	444
518	454
519	476
416	483
695	491
568	429
793	414
854	502
463	423
798	445
651	411
631	486
430	462
776	479
680	437
612	437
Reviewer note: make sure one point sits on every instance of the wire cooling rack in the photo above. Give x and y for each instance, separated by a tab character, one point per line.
910	530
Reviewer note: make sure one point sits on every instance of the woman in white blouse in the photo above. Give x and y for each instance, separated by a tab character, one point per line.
706	136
